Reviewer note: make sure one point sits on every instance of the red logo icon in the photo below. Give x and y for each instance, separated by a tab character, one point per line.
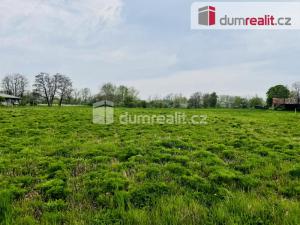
207	16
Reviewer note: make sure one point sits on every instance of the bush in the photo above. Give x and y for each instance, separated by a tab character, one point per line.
224	176
292	191
179	144
176	168
195	183
295	172
148	193
53	189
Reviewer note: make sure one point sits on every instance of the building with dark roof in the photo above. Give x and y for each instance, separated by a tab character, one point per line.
9	99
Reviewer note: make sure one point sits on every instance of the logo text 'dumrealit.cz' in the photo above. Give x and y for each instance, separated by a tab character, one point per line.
245	15
207	16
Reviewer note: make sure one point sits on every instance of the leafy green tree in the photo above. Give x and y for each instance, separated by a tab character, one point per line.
141	103
126	96
240	102
206	100
210	100
195	101
278	91
179	101
256	101
213	99
120	95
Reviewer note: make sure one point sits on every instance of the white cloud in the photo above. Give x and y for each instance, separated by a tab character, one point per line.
60	18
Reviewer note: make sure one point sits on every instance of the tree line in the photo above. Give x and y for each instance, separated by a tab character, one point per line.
58	89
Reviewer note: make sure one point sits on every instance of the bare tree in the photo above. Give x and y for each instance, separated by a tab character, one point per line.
76	96
296	90
64	87
46	86
121	93
69	95
107	92
15	84
85	94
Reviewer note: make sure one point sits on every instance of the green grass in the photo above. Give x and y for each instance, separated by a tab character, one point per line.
56	167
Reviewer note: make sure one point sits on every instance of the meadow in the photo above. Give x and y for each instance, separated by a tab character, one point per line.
57	167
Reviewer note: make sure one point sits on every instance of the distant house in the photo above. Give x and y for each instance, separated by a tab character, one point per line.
9	99
286	103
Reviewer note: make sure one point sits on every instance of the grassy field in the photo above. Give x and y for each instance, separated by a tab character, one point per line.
56	167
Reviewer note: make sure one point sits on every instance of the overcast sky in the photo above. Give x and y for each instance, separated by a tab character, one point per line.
142	43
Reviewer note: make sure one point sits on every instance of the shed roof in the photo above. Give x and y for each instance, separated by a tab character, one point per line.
8	96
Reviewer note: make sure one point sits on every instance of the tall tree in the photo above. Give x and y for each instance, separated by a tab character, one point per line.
15	84
121	94
210	100
256	101
278	91
107	92
195	101
46	86
64	87
76	96
206	99
213	99
86	95
240	102
179	101
131	97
